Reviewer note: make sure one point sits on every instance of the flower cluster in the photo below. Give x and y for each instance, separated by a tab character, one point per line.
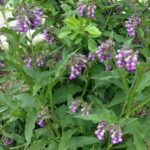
82	8
83	106
78	63
104	51
28	17
127	58
2	65
100	131
7	141
115	132
43	114
1	2
116	136
131	25
48	36
39	60
27	61
91	56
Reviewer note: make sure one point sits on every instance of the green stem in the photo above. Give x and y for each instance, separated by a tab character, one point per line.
17	147
85	88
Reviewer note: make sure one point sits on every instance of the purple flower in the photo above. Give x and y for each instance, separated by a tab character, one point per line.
2	65
8	141
108	67
100	131
91	56
104	51
48	37
116	136
27	18
41	123
73	107
131	25
40	62
127	58
78	64
81	8
27	61
1	2
91	11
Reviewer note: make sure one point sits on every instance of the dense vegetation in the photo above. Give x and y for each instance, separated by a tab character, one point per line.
75	75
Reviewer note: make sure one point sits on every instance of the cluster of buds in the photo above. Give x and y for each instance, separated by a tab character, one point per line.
48	36
2	65
7	141
28	17
131	25
78	63
77	105
104	51
1	2
39	60
82	8
127	58
115	132
91	56
42	116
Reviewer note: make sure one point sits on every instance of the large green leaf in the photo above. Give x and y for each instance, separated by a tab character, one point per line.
30	124
145	82
93	31
65	139
61	94
81	141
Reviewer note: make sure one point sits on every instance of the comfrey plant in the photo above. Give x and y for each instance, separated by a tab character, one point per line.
77	64
82	8
28	17
114	131
48	35
131	25
127	58
77	105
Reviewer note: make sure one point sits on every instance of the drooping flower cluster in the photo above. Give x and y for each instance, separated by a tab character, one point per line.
127	58
39	60
2	65
82	8
104	51
80	105
131	25
78	63
7	141
43	114
1	2
116	136
27	61
91	56
28	17
48	36
100	131
91	11
115	132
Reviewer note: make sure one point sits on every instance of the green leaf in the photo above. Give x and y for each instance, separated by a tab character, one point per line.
26	100
38	145
93	31
62	94
119	98
92	46
30	124
81	141
65	139
72	23
145	82
106	76
64	33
